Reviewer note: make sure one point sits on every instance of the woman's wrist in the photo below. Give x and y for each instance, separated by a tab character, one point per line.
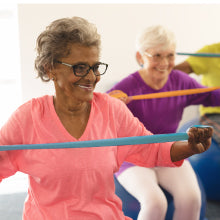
180	150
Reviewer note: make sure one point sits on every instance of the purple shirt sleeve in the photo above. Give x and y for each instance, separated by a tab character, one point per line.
168	110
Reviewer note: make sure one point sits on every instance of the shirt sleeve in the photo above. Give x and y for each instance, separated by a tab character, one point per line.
10	134
206	99
200	65
147	155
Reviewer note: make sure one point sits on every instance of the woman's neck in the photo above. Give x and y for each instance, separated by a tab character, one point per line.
70	108
152	82
74	117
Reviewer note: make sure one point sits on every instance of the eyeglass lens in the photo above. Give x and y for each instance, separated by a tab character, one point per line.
159	57
83	69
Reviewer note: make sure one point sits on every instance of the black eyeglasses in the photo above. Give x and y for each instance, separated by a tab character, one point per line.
83	69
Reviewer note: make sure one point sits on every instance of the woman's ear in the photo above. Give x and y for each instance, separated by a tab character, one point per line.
47	69
52	76
49	72
139	59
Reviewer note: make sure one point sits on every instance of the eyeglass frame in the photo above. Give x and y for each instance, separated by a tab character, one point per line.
90	67
152	56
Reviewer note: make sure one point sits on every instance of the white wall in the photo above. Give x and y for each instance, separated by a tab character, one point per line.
9	62
194	25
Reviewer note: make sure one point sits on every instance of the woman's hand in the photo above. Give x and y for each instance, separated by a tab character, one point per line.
200	139
198	142
120	95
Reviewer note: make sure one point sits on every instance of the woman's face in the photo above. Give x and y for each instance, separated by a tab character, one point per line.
72	87
159	62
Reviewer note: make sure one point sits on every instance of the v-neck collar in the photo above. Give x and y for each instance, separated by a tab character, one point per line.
63	129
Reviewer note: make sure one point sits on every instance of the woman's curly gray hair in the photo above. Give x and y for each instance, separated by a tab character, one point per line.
55	41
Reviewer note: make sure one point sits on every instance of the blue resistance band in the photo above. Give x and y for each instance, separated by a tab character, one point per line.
149	139
158	138
201	126
200	54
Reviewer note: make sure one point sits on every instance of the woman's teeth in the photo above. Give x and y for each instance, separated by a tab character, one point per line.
85	87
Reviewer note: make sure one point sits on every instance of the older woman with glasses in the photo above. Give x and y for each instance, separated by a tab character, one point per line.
78	183
156	48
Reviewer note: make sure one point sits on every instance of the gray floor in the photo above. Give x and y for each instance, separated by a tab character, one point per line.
11	206
213	210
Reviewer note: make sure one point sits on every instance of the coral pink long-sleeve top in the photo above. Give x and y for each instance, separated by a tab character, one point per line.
75	184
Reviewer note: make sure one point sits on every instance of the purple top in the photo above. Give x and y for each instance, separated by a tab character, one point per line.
162	115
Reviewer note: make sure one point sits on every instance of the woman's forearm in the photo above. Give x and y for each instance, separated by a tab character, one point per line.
180	150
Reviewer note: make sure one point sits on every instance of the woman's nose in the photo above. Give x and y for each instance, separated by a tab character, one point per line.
91	75
164	60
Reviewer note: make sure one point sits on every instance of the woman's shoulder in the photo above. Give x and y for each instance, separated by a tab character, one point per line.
33	105
127	82
104	98
183	80
131	78
45	101
179	75
110	107
108	103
